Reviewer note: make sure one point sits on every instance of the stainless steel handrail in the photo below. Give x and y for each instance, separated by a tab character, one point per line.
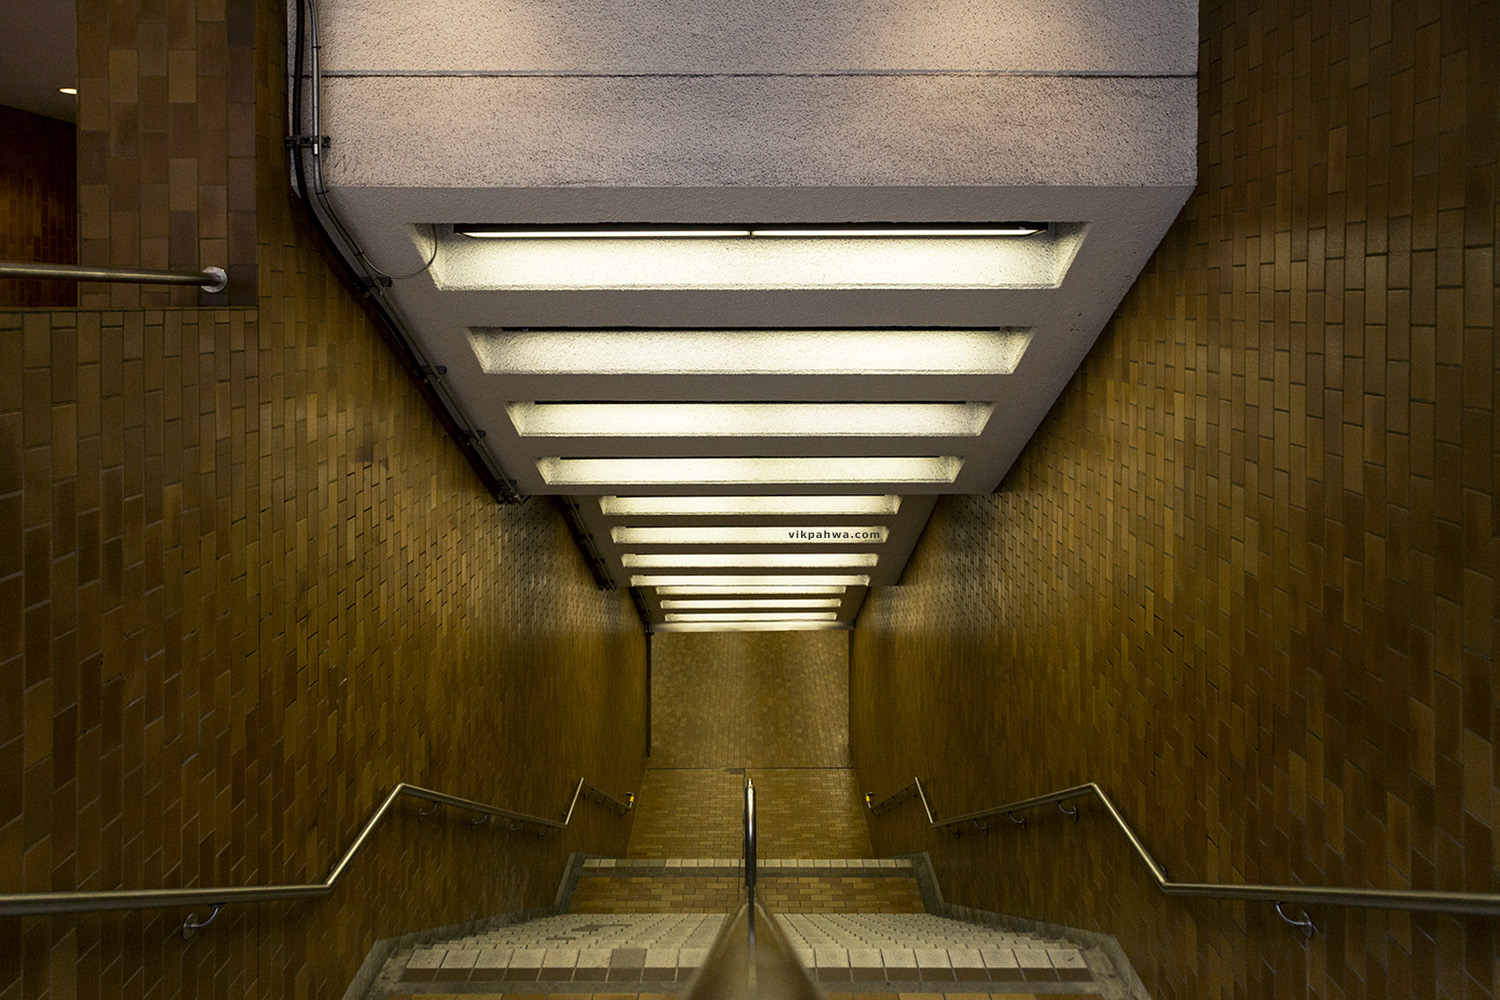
210	279
32	903
1426	900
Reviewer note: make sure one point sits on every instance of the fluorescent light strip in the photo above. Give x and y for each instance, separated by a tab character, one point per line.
667	231
749	506
503	351
747	560
788	603
697	591
754	616
743	534
749	419
702	581
906	232
784	626
749	470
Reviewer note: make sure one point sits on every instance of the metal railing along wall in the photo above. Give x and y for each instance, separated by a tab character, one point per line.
1428	900
210	279
33	903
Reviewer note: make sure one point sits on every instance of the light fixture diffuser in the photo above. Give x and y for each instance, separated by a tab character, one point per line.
992	351
749	419
749	506
744	534
783	583
708	591
753	616
751	603
747	560
750	470
781	626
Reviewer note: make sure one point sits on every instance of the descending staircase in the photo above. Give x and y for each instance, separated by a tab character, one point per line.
638	926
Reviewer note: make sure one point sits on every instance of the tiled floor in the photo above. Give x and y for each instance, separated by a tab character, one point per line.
830	996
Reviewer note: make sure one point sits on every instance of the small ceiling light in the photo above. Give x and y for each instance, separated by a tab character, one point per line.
753	616
864	534
749	470
742	584
904	230
778	626
825	505
608	231
996	351
748	560
791	588
73	91
721	604
749	419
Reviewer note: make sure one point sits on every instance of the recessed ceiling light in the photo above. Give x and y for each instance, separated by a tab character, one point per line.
720	604
753	616
748	470
701	582
749	352
628	230
791	588
73	91
672	230
740	534
724	257
747	560
749	419
781	626
749	506
905	230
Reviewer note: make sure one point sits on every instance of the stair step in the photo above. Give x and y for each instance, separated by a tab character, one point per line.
733	868
884	951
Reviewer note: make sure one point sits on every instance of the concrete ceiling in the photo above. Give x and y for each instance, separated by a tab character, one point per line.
538	112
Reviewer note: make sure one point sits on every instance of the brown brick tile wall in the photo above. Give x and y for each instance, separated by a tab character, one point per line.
247	583
1244	576
802	813
808	894
167	142
750	699
38	204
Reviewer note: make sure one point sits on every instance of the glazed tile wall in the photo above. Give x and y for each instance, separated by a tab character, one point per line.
750	699
247	583
38	204
167	143
1244	576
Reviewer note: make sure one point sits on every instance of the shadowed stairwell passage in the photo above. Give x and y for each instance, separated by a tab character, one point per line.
642	925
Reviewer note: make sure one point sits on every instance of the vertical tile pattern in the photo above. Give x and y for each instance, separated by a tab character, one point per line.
38	204
750	699
167	133
1244	574
247	582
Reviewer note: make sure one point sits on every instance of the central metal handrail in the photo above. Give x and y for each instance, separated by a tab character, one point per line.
751	959
1426	900
32	903
210	279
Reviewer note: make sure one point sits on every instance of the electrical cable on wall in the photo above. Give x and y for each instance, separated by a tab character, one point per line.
368	278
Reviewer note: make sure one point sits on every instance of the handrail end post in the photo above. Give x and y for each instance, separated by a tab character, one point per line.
219	280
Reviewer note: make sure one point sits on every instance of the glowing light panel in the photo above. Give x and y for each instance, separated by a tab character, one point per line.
749	352
752	535
748	506
749	419
747	560
835	469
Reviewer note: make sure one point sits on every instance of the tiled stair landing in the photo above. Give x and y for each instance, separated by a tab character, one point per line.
860	953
